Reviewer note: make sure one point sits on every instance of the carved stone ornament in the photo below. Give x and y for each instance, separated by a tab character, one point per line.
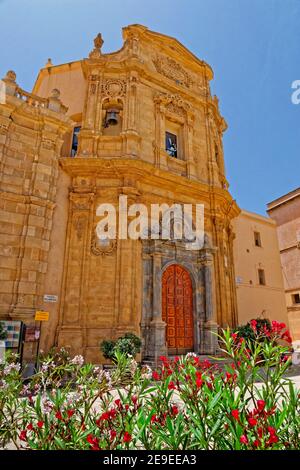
114	87
11	76
173	103
79	225
102	247
98	43
172	70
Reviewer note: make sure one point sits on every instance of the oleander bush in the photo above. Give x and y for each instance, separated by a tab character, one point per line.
261	329
242	403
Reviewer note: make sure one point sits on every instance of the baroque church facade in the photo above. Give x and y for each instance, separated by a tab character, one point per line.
139	122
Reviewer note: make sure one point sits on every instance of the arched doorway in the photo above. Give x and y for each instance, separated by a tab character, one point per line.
177	309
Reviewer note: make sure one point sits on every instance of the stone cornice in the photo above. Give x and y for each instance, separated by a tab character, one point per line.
143	171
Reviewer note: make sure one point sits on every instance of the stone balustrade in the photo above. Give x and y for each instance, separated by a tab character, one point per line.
53	102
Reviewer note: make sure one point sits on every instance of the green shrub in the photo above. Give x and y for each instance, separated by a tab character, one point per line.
129	344
107	348
3	332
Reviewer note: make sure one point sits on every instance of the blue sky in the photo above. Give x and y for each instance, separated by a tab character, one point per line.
253	47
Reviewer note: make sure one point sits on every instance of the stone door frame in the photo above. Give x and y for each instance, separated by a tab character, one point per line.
158	255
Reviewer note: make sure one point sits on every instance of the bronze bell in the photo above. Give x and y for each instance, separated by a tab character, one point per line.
111	118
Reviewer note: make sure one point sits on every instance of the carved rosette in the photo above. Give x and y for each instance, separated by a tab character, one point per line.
172	70
114	88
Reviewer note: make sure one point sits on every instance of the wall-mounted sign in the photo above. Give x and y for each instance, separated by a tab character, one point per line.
50	298
32	334
40	315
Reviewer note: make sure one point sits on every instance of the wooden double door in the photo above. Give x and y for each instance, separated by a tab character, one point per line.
177	309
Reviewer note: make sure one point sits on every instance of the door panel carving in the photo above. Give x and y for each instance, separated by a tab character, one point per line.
177	308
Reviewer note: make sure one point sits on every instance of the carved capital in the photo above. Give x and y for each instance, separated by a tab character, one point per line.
81	202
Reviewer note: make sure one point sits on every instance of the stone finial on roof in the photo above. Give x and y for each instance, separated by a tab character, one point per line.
98	43
49	63
10	76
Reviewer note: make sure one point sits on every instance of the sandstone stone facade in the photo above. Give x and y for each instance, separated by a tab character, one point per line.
156	86
285	211
256	251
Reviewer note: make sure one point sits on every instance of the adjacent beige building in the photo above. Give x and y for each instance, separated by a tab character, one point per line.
286	213
259	283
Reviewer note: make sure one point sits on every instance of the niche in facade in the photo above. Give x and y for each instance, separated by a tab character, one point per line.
112	117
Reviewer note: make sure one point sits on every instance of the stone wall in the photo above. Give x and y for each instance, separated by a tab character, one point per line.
31	135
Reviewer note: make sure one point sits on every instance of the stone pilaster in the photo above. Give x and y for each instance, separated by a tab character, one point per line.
209	341
157	332
71	331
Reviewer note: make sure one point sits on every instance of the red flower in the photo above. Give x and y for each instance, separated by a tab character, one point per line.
154	419
118	403
271	430
244	439
176	359
235	414
58	415
94	441
112	413
90	438
210	385
171	386
260	432
261	405
126	407
70	413
252	422
30	427
163	358
40	424
127	437
273	439
175	410
256	443
234	336
113	434
199	382
134	399
23	435
253	324
155	375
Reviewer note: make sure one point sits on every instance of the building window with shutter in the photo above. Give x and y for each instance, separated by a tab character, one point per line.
261	277
171	144
75	141
257	239
296	298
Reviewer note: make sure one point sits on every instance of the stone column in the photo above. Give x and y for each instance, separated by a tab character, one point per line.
210	327
158	345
